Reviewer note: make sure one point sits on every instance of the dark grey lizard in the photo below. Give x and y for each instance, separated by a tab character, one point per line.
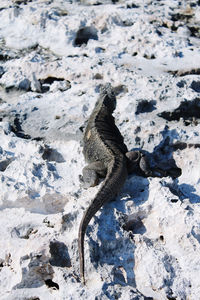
108	156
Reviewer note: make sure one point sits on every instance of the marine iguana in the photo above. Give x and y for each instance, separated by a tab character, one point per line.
108	156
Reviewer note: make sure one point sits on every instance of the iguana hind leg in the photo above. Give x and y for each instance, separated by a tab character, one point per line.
137	163
92	173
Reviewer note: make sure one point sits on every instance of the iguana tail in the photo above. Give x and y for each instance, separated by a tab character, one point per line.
115	178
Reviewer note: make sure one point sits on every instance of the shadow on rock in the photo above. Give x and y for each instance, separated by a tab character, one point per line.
50	154
161	160
188	110
59	254
145	106
188	191
84	34
133	223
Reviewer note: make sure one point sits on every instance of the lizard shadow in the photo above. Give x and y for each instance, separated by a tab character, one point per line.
161	159
162	156
184	191
188	191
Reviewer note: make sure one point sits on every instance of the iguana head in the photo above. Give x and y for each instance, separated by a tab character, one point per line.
107	97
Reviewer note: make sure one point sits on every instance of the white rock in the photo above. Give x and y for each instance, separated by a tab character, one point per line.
41	201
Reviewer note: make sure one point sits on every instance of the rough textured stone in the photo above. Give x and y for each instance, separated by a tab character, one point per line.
145	244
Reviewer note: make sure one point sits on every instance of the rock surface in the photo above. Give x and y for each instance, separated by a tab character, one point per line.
54	55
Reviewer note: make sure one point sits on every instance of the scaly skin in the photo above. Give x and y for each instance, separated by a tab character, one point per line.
105	151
